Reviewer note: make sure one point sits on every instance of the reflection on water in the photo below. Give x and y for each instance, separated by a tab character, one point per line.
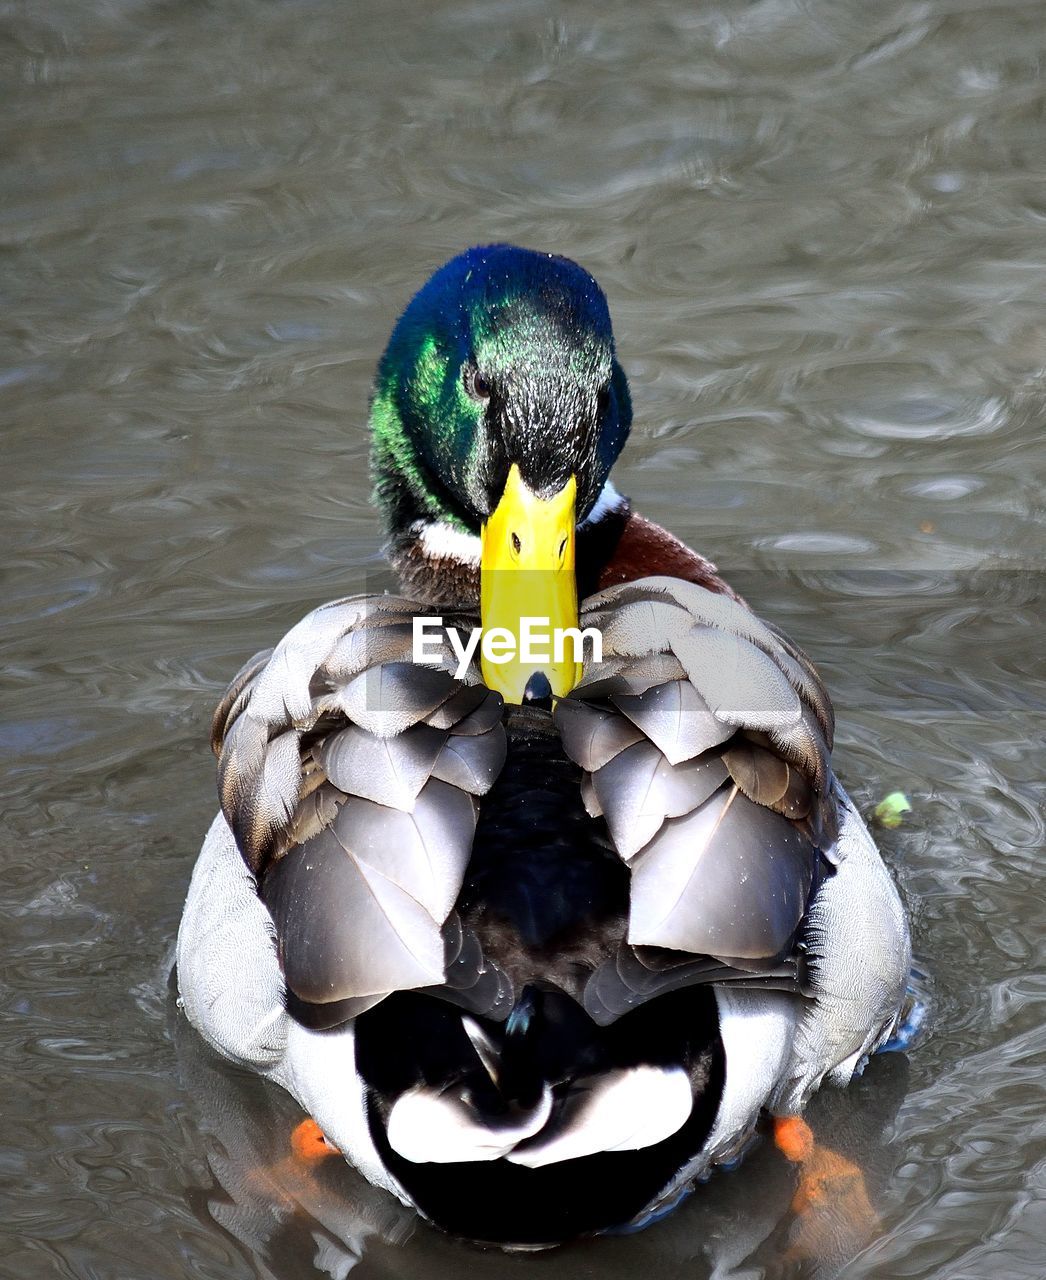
820	227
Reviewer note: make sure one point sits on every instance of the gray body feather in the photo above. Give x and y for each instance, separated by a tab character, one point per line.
350	783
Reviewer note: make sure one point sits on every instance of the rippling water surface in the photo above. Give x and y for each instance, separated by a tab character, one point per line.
822	228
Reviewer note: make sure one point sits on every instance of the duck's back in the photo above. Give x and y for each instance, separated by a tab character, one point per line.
544	892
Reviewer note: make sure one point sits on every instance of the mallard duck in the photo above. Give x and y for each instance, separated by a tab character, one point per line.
534	939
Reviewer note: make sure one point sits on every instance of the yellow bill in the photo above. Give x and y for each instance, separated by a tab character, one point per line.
528	594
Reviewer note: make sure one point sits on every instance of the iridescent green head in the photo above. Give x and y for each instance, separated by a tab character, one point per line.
504	357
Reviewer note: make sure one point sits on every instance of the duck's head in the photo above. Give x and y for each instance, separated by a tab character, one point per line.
499	409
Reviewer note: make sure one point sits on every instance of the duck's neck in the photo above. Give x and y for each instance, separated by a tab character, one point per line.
437	562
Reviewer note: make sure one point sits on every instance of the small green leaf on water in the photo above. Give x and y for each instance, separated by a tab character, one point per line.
890	811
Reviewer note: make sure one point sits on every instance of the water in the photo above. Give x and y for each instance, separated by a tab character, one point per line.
822	229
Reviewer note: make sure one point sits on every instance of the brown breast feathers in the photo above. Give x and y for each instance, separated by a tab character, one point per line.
645	549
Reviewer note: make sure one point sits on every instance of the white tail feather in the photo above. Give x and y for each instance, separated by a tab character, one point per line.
621	1111
428	1127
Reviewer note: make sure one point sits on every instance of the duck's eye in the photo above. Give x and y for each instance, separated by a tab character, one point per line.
476	385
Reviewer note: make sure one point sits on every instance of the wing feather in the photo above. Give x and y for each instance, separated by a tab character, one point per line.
348	775
723	805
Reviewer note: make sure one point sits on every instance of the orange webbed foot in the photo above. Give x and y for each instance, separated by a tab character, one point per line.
291	1176
309	1144
833	1213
